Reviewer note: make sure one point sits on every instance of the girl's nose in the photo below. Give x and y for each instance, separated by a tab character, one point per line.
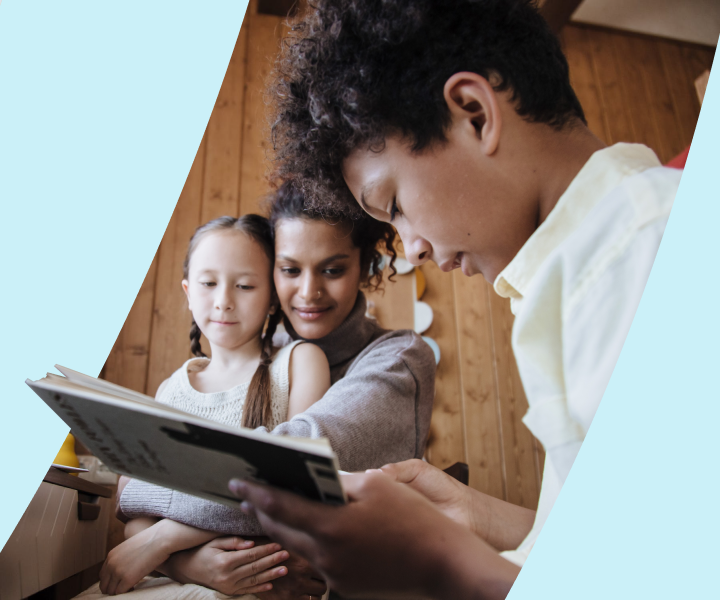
224	298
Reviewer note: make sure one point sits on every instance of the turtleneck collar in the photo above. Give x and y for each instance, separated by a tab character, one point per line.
349	339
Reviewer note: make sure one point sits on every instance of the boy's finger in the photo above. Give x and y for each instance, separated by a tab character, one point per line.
285	507
290	538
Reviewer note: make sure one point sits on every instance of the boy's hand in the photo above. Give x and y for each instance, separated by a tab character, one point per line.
447	494
129	562
229	565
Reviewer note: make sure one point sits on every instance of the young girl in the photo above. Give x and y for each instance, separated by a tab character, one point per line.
229	287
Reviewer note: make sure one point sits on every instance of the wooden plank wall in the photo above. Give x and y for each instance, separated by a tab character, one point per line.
633	88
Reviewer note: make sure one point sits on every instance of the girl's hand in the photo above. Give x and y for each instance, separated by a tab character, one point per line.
129	562
229	565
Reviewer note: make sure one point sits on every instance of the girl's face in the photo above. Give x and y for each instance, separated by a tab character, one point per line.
229	289
317	274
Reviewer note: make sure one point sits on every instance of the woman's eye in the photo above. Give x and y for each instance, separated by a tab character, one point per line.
393	210
290	270
334	271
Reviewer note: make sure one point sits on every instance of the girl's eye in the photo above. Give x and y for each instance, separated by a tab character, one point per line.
208	283
393	210
246	287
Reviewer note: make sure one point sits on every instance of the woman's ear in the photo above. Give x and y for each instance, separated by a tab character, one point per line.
474	107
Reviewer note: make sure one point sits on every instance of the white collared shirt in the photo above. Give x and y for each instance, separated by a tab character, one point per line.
574	288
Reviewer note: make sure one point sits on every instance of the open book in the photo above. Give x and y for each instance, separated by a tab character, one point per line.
139	437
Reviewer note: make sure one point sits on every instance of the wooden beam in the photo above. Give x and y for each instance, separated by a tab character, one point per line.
558	12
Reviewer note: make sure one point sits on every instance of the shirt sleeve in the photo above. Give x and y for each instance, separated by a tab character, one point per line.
596	327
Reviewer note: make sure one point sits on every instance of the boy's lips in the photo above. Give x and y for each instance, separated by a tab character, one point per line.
310	313
450	265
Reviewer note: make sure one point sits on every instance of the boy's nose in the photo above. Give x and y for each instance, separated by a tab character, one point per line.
417	249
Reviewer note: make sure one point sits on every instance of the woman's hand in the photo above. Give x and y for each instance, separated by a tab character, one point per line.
388	539
229	565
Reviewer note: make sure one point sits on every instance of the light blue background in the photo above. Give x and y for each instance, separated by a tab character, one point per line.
638	516
102	107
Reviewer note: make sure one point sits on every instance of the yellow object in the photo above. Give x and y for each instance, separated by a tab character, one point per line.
420	283
67	456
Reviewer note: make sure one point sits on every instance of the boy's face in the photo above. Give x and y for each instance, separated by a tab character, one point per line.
451	203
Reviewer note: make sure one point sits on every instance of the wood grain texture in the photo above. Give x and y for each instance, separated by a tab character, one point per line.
221	182
446	445
263	45
394	302
482	430
127	363
170	346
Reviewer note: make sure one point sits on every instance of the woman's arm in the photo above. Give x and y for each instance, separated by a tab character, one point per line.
309	378
379	412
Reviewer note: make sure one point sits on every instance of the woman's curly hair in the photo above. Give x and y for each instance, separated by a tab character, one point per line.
373	238
353	71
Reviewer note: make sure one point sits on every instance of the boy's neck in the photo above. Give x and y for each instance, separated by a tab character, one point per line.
559	157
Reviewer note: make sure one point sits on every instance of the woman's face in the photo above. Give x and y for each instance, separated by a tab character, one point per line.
317	274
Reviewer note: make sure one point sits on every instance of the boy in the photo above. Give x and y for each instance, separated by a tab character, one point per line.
456	122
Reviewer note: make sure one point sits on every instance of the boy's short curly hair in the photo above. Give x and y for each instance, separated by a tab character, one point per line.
353	71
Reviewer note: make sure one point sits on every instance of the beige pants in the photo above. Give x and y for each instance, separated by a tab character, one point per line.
164	588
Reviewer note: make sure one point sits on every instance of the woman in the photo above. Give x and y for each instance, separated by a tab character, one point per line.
379	406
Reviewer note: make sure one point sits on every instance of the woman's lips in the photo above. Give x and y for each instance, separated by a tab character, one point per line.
310	313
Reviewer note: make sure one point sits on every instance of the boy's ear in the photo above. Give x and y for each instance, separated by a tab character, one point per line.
473	104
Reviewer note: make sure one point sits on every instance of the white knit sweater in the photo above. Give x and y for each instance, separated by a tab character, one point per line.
227	407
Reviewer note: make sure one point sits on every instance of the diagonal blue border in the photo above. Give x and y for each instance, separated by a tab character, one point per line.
102	108
638	517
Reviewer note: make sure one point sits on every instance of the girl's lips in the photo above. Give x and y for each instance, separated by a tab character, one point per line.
225	322
310	313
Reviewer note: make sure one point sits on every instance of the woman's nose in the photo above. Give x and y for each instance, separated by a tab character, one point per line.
309	288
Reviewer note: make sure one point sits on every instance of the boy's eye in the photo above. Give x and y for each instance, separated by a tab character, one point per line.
393	210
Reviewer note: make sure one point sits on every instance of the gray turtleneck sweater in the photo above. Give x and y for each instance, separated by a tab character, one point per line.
376	412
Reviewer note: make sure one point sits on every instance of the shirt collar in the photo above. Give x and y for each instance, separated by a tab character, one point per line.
604	171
